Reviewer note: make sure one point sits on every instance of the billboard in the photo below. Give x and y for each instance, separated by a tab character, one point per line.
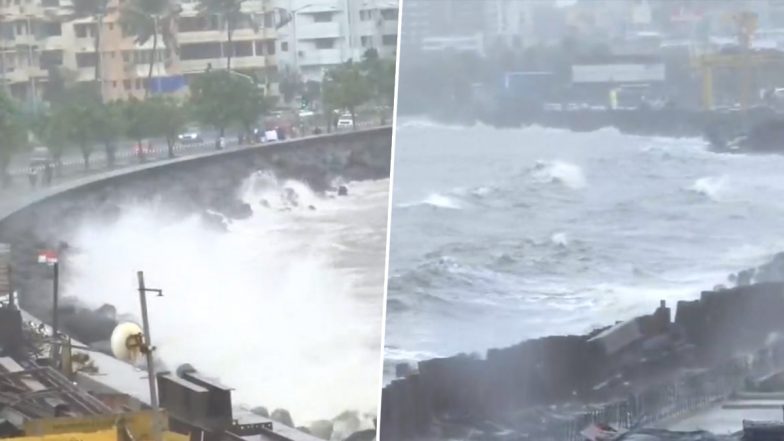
618	73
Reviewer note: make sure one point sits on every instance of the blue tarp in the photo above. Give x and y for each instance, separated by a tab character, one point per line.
168	84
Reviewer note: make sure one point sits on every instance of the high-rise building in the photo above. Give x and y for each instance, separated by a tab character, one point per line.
44	39
323	33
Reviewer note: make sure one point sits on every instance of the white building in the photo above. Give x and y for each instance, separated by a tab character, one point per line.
324	33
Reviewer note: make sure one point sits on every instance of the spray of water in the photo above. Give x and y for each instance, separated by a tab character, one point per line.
264	307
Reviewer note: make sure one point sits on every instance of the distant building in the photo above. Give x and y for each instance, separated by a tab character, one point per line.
323	33
424	19
471	43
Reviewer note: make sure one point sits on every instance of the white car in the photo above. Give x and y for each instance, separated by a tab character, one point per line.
345	122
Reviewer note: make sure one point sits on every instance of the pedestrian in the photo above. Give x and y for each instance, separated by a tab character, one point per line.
48	174
32	175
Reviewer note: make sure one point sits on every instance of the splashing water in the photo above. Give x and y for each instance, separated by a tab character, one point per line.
285	307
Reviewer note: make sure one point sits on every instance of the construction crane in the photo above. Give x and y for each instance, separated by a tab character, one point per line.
745	23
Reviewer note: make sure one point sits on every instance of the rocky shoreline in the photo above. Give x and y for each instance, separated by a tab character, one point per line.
550	388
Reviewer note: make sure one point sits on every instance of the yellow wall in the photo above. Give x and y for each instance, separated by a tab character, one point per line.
140	424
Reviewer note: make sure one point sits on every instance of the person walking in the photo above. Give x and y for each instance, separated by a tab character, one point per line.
32	175
48	174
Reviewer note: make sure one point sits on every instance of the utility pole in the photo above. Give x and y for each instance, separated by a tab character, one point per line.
147	347
55	299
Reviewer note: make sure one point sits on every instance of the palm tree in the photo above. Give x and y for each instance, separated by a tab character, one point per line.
231	11
147	19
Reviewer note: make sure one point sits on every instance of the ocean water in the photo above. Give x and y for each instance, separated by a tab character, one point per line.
285	307
500	235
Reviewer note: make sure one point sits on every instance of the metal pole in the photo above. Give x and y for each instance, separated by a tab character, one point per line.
294	40
55	299
147	342
33	90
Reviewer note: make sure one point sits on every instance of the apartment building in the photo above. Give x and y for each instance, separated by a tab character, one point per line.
41	37
319	34
203	42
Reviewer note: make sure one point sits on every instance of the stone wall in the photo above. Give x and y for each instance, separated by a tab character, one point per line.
558	370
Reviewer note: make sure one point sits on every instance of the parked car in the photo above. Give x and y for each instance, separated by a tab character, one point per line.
345	122
190	136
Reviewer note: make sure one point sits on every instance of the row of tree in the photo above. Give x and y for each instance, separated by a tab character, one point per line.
78	117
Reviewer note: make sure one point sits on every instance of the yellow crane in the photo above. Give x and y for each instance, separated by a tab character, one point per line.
745	23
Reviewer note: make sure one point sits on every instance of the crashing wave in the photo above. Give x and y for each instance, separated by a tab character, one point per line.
559	172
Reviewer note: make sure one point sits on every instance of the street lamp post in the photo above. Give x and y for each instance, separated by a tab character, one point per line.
147	347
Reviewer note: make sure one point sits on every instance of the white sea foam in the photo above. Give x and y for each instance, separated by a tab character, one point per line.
567	174
263	307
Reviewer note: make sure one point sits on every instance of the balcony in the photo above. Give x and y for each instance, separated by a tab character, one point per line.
200	36
199	66
313	31
320	57
54	43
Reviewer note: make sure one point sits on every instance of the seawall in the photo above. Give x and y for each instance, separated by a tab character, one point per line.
705	335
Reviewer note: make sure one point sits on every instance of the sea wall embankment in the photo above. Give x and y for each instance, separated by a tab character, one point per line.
705	336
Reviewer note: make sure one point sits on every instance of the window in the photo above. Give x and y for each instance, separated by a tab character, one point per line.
80	30
284	46
111	26
389	40
126	56
367	41
114	84
322	17
270	48
389	14
138	83
365	15
50	3
51	29
127	84
51	59
200	51
325	43
86	59
21	29
243	49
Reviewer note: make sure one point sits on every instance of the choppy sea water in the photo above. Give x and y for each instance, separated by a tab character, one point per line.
285	307
500	235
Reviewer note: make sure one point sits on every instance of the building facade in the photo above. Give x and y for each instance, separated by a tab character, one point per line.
320	34
43	39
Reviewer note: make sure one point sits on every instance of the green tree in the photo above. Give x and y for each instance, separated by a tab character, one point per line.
346	87
290	85
75	119
232	16
13	134
110	127
220	99
381	78
139	122
168	118
147	19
